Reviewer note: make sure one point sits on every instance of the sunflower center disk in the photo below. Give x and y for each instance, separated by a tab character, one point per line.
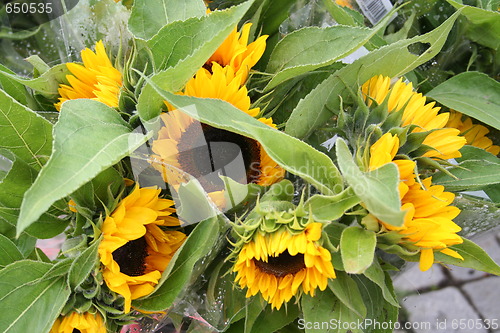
131	257
209	152
282	265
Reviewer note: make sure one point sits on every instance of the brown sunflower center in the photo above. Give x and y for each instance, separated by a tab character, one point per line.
76	330
282	265
208	66
211	152
131	257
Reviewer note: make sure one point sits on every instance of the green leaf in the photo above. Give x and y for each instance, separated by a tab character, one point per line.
377	189
88	138
346	290
12	87
27	302
484	27
281	191
23	34
303	160
379	311
477	215
339	13
180	49
221	289
39	66
318	309
272	321
474	257
254	308
325	313
329	208
312	47
357	247
9	250
20	176
46	84
60	268
83	265
180	269
25	133
372	296
480	169
191	195
377	275
392	60
193	41
472	93
493	193
97	191
240	195
149	104
149	16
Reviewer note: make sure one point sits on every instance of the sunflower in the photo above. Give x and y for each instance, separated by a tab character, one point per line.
475	134
135	250
79	322
237	53
204	151
282	264
97	79
445	142
429	217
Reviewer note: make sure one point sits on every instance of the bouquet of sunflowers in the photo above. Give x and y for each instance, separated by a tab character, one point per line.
241	166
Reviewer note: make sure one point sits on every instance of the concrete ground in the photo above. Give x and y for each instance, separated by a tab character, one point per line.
451	299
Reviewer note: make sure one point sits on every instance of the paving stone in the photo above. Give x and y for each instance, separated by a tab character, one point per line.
437	311
413	279
485	295
489	242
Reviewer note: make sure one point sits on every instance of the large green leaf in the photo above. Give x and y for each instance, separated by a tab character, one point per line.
357	247
12	87
377	276
477	170
325	313
28	302
83	265
329	208
272	321
25	133
221	288
377	189
9	250
346	290
194	40
341	14
180	269
88	138
46	84
181	48
392	60
300	158
281	191
312	47
18	179
379	311
484	25
472	93
303	160
149	16
474	257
